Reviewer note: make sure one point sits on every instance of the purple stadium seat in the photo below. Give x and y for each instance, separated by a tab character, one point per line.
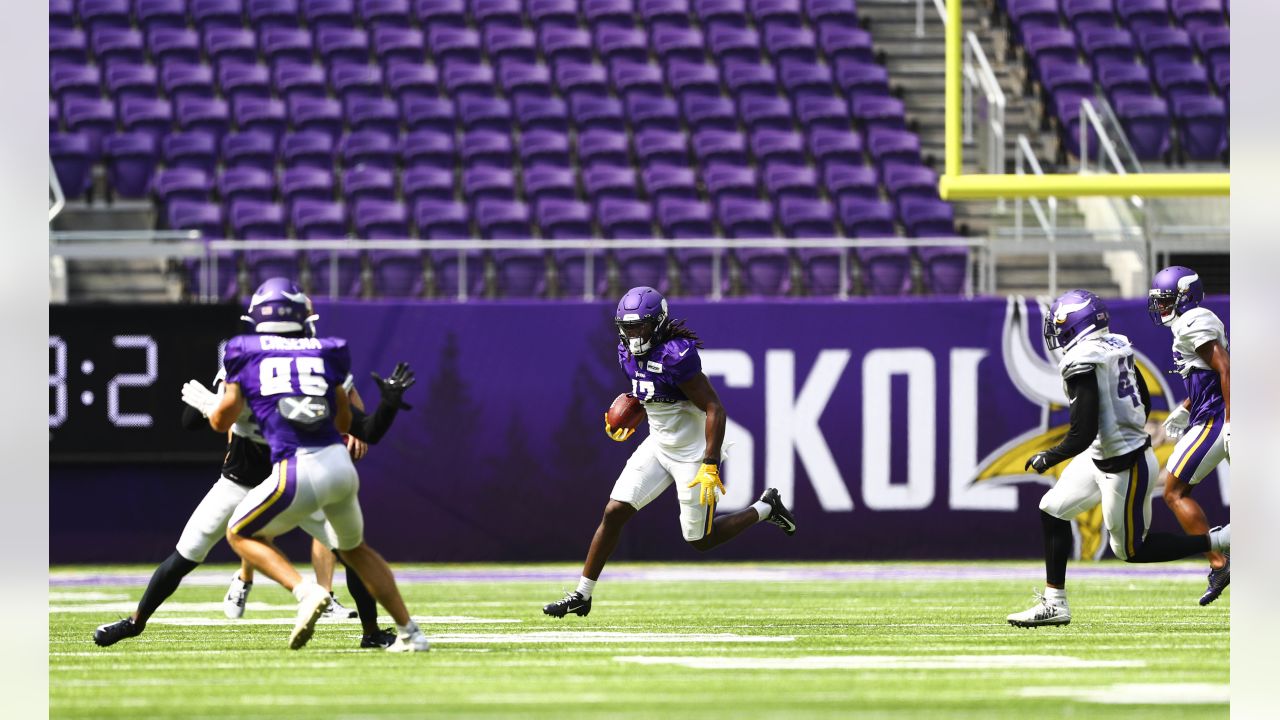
307	148
328	221
246	183
625	218
709	113
373	114
652	113
669	182
1066	84
857	78
745	79
295	82
510	44
131	81
440	13
427	183
718	146
429	148
1032	14
352	81
734	44
239	82
181	184
560	45
622	44
1222	79
428	114
302	183
833	13
603	147
319	115
552	13
927	218
359	183
1044	45
765	271
875	112
231	44
775	13
742	217
864	218
542	113
258	115
67	46
1214	45
789	43
54	118
576	79
1165	46
843	43
786	181
764	112
1125	79
461	78
383	14
596	113
171	44
665	13
823	112
1199	14
503	220
367	147
151	116
484	113
281	44
483	148
381	220
524	80
488	183
399	45
410	81
544	148
604	181
896	146
662	148
62	14
73	155
1105	45
204	217
319	14
396	273
684	218
1202	126
944	269
264	14
98	14
195	150
319	220
442	220
203	114
828	146
678	43
563	219
686	78
342	45
1182	80
496	13
450	44
543	183
721	13
112	45
93	118
910	181
1146	122
258	220
801	78
181	81
250	149
603	13
729	181
78	81
770	146
804	218
1143	14
1085	15
217	13
845	181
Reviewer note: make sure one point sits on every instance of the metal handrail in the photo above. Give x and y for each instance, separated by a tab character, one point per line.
59	199
1026	156
939	5
977	73
1090	119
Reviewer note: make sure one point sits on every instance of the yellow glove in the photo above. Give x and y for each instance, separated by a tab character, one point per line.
709	478
620	434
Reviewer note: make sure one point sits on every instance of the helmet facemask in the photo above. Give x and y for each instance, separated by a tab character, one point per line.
1162	306
637	335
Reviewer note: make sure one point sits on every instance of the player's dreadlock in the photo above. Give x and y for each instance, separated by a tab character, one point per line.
677	329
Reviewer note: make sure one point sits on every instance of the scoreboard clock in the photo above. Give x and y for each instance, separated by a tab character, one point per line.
115	380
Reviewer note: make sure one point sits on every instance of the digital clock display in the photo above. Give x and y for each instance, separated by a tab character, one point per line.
116	374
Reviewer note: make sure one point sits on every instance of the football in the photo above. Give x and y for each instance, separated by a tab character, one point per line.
625	412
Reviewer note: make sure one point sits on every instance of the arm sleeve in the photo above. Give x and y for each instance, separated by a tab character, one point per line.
1082	389
371	428
1144	393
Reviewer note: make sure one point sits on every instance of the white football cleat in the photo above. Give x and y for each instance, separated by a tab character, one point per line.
310	608
338	611
1044	612
237	596
410	642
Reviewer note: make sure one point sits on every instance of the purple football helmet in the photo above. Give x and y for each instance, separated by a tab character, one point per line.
1074	315
641	319
1174	291
279	307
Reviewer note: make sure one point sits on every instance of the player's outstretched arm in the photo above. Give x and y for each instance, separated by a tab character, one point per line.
224	414
371	427
1082	391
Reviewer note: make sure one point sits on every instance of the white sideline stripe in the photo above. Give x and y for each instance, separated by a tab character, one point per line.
90	595
423	620
1139	694
603	638
128	607
881	662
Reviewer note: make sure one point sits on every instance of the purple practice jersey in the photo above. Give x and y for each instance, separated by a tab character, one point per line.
290	384
675	423
1193	330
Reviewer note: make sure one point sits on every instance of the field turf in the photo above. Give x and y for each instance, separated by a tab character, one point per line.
670	641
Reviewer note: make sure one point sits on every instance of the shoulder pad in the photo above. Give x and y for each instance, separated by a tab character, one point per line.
676	350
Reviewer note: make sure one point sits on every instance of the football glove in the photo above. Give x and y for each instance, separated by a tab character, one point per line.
200	397
1038	462
1176	424
395	384
709	478
618	435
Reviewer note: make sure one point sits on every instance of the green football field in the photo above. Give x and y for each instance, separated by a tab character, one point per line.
692	640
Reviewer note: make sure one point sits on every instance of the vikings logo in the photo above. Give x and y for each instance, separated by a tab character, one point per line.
1039	380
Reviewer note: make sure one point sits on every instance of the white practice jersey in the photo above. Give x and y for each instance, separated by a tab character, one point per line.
1192	330
246	425
1121	415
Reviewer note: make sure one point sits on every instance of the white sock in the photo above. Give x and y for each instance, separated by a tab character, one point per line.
585	586
1056	596
409	629
762	509
304	588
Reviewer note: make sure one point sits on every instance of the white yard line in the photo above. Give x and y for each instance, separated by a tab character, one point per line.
881	662
1139	694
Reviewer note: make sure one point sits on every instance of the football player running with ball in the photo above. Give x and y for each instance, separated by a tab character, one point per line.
686	433
1109	406
1203	420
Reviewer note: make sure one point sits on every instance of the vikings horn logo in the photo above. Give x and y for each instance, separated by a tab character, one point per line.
1039	380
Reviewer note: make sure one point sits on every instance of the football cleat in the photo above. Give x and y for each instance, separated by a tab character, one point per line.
778	513
1218	581
380	639
112	633
1043	612
410	642
310	608
338	611
237	596
571	603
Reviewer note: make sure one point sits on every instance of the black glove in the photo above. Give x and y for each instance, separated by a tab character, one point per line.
393	387
1038	462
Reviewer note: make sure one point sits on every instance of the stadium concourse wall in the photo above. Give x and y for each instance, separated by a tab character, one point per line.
898	429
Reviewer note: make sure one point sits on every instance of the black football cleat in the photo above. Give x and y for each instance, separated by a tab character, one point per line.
778	513
1218	581
380	639
112	633
571	603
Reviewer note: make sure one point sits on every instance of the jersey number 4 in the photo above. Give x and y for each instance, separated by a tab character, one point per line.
275	375
1127	388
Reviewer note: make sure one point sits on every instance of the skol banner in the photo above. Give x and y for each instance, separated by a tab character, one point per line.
895	429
